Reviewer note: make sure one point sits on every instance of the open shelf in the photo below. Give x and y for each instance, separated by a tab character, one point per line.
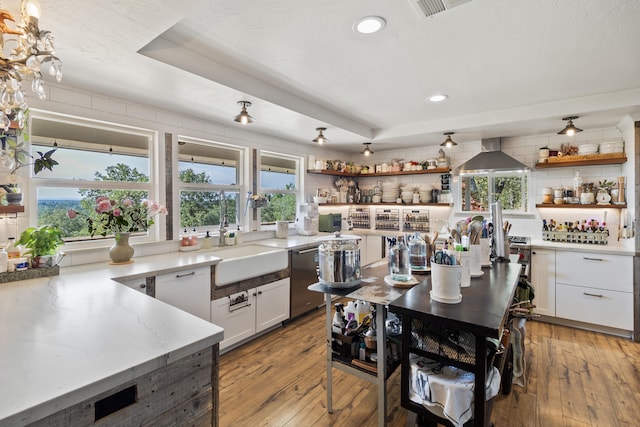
365	175
578	206
11	209
585	160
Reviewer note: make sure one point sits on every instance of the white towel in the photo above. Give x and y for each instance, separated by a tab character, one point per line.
447	391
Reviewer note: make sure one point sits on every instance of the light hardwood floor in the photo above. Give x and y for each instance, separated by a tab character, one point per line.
575	378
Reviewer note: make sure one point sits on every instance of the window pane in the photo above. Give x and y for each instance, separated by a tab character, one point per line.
53	204
510	192
202	208
208	162
282	207
475	193
82	164
277	173
191	172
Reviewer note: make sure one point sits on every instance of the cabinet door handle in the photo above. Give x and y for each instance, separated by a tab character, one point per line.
592	259
178	276
593	295
306	251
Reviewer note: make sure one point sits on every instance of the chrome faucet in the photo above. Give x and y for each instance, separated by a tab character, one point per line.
224	219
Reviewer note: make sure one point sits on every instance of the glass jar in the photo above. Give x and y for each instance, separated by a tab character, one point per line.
417	252
399	261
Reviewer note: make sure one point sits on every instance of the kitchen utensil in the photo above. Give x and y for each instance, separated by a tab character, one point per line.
339	261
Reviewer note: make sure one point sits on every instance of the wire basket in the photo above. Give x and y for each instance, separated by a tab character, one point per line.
597	238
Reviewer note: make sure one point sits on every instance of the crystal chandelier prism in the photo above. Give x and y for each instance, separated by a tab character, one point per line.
29	49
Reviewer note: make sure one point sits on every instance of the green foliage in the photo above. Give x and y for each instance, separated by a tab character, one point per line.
44	240
282	207
202	208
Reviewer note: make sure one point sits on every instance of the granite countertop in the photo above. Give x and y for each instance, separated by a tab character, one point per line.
68	337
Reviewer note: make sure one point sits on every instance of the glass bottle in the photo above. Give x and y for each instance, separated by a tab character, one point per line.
399	261
577	184
418	252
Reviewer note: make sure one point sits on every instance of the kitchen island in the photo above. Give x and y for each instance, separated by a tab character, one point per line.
74	347
427	326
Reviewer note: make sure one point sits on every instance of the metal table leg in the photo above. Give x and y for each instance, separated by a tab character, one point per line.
327	300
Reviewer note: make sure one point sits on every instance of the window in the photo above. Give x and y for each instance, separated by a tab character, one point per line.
478	191
280	182
210	177
95	159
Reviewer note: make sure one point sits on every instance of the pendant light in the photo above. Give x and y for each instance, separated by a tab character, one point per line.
320	139
570	129
448	142
367	151
244	116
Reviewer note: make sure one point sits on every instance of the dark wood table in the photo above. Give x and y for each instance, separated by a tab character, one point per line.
483	313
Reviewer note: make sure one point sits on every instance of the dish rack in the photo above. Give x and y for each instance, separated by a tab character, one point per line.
387	219
593	238
360	217
416	220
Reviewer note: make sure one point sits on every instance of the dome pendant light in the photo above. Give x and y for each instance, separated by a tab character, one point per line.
244	117
570	129
367	151
448	142
320	139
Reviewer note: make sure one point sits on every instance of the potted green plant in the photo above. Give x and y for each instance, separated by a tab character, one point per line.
42	244
15	156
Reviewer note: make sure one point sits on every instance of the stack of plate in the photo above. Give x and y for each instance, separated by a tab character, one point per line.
612	147
389	192
407	196
588	149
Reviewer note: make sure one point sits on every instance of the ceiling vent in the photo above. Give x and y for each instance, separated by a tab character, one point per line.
431	7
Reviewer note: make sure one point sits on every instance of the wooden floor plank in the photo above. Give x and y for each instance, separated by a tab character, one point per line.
279	379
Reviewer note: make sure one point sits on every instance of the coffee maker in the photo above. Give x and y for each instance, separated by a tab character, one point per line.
307	219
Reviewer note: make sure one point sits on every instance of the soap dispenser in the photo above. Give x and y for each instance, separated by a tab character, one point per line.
207	241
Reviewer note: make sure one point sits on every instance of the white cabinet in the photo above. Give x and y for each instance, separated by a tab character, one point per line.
374	249
370	249
543	280
246	313
189	290
272	304
595	288
237	315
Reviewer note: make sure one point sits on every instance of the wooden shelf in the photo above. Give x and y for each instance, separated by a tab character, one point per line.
11	209
585	160
365	175
579	206
418	205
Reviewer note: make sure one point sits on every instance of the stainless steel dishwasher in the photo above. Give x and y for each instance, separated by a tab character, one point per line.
303	264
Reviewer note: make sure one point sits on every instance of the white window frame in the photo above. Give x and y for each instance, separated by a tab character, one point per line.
155	232
525	188
240	187
299	181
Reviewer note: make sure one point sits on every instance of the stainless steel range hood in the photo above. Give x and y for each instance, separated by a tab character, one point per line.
492	159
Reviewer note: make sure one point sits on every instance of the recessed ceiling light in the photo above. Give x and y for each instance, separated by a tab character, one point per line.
369	24
438	98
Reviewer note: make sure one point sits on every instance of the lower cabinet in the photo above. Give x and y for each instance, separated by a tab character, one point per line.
595	288
246	313
188	290
543	280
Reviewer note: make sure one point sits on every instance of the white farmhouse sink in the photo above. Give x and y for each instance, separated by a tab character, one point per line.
245	262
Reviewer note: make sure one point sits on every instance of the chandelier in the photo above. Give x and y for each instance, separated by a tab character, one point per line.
28	51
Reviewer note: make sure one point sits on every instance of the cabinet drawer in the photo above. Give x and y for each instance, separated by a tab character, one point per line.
597	306
612	272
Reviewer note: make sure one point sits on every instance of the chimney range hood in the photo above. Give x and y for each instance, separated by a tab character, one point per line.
492	159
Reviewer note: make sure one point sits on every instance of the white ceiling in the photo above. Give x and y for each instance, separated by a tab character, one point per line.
510	67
